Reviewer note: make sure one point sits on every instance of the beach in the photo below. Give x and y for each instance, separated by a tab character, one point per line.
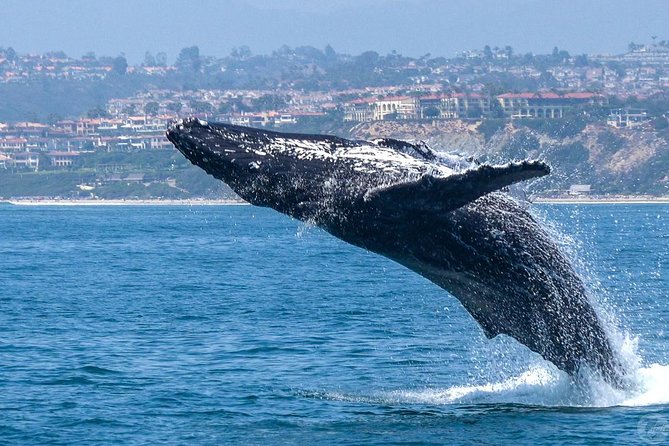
600	199
604	199
90	202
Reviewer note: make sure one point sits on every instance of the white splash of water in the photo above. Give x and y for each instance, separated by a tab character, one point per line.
540	385
544	386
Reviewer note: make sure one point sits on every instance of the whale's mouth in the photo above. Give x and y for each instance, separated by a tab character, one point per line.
210	146
188	136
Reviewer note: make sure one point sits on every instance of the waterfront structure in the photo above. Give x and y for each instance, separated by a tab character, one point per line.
358	110
398	107
580	189
434	106
547	105
62	159
627	117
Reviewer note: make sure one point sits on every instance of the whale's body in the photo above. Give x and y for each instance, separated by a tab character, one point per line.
439	217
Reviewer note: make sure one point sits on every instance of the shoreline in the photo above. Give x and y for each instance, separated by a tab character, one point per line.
228	202
603	200
121	202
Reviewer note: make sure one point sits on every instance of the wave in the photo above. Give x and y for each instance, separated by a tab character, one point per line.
541	385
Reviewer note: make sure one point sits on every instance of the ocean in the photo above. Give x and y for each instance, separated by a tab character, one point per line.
212	325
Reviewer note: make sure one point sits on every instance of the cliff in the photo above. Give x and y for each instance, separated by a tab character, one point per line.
613	161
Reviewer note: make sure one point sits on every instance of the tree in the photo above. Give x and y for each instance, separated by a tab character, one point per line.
508	50
189	59
232	106
149	60
330	54
53	118
120	65
44	162
201	107
97	112
151	108
528	59
161	59
56	54
269	102
431	112
660	123
244	52
174	106
559	56
563	55
547	80
487	52
10	54
129	109
474	111
368	59
581	60
284	51
496	110
241	53
309	53
617	67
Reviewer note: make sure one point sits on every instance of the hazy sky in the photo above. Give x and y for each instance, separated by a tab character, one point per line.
412	27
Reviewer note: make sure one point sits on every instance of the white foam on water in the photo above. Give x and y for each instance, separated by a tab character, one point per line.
653	386
541	385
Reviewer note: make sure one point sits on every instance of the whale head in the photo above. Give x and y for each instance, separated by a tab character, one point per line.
294	174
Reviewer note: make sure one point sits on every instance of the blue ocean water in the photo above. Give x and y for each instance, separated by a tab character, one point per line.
236	325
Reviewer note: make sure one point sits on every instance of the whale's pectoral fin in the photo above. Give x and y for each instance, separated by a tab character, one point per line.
449	193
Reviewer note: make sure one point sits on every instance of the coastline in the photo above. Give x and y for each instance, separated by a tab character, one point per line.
588	200
616	199
121	202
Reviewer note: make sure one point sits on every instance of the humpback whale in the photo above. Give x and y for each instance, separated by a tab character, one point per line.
439	215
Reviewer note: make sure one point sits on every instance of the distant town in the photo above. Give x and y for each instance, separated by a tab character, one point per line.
305	89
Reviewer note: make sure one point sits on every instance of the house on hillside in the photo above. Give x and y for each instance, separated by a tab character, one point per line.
627	117
579	189
432	106
13	144
62	159
546	105
24	160
397	107
358	110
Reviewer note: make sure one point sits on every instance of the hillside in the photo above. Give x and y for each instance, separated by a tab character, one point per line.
156	174
614	161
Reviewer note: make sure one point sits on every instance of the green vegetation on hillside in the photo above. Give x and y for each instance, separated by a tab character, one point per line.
133	175
613	161
43	184
556	128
